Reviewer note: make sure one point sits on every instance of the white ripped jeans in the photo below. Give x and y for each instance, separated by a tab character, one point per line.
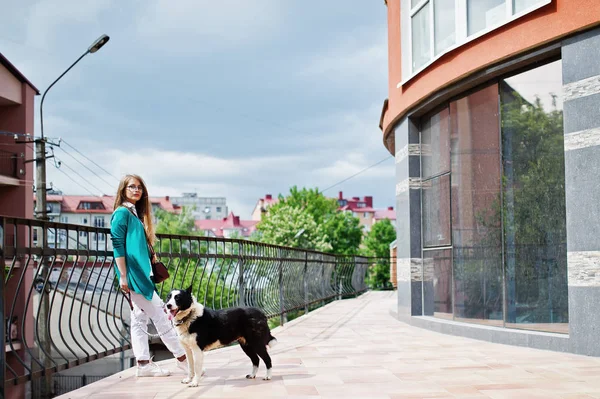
139	326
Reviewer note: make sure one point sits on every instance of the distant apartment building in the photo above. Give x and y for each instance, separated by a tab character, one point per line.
203	208
227	227
89	211
364	211
262	206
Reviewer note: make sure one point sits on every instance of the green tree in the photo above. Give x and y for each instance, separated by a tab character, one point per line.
207	275
311	200
325	228
534	210
294	227
172	223
377	244
344	233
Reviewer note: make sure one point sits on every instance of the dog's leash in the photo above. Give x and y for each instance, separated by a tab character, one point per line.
159	335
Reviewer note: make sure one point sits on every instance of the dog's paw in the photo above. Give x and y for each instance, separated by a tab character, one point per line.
186	380
250	376
194	382
268	376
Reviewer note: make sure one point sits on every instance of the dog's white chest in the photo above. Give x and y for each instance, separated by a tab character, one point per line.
188	340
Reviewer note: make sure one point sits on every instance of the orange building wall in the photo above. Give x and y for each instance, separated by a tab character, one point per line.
554	21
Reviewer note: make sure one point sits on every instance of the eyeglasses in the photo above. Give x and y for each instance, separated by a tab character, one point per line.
135	188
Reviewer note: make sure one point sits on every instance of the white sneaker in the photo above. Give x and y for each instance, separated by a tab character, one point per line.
183	366
151	370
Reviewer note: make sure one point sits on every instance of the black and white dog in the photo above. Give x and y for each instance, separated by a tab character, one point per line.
201	329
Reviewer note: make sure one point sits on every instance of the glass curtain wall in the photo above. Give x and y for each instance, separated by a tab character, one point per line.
493	203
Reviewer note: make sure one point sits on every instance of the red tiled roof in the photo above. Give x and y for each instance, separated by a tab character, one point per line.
385	214
231	222
70	203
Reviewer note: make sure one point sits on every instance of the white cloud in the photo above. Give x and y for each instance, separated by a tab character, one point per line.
241	180
46	17
352	62
192	26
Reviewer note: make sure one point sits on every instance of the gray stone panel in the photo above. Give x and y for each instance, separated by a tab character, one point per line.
404	300
415	223
416	298
584	320
582	113
581	56
582	180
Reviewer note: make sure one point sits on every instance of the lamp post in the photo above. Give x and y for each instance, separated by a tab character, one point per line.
41	212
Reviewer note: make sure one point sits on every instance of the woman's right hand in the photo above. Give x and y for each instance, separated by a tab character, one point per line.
124	286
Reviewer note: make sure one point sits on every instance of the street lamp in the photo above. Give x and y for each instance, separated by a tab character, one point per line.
40	147
41	212
97	45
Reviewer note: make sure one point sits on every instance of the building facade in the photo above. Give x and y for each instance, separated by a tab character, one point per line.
493	120
16	190
203	208
362	208
262	207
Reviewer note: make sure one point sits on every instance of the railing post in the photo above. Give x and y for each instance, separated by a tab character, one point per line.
44	317
281	300
242	284
305	282
322	280
2	337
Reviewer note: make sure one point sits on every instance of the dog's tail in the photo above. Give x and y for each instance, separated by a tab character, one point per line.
272	341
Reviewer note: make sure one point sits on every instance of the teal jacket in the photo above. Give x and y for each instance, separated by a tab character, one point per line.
129	241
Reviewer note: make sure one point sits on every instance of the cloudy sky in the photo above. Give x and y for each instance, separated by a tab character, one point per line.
226	98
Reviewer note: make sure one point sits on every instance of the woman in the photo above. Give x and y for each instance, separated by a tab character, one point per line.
131	229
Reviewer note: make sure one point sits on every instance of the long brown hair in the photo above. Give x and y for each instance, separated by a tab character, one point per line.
143	206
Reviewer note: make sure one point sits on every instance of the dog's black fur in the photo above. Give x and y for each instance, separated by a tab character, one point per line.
205	329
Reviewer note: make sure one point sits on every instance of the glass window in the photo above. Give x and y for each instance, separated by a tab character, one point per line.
482	14
436	211
476	212
521	5
444	24
437	282
421	34
534	200
413	3
435	143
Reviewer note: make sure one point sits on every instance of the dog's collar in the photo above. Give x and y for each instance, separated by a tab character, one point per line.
180	322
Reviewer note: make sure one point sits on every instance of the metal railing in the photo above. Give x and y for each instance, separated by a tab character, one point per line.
69	310
8	163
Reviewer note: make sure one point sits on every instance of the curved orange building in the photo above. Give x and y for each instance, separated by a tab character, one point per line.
493	117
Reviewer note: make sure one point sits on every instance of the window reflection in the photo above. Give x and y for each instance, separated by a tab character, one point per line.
421	47
444	24
482	14
505	195
476	220
534	204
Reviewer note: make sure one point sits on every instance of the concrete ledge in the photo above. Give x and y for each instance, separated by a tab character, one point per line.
507	336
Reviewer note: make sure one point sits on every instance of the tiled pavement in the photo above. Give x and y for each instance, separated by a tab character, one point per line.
355	349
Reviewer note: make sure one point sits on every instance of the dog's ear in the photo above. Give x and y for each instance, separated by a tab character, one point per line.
189	290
